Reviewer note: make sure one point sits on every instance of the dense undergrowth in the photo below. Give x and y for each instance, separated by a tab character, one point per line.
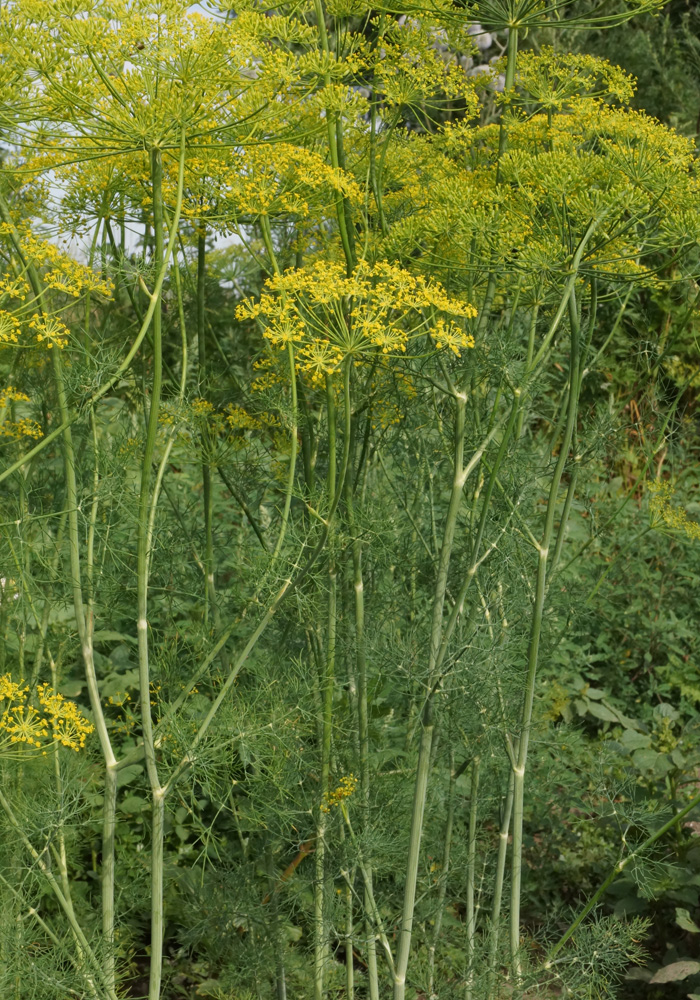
349	501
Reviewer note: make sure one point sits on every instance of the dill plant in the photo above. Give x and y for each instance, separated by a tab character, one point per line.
292	513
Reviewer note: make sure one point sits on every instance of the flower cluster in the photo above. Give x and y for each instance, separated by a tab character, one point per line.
560	170
14	286
346	787
24	726
557	80
69	727
59	270
378	310
12	395
50	330
663	513
9	328
15	430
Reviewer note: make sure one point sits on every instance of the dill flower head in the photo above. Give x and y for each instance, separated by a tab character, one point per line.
15	430
376	311
346	787
9	328
26	728
24	724
68	725
10	394
50	330
664	514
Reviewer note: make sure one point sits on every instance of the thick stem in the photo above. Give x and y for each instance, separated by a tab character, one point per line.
471	869
444	873
363	730
498	885
202	387
511	60
534	642
409	900
327	685
142	563
423	766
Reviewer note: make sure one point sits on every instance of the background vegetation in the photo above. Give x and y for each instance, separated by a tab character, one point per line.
349	500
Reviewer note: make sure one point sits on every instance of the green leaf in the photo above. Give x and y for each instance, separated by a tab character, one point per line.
115	684
71	688
684	920
675	972
634	741
595	693
127	774
210	988
107	635
663	765
602	712
134	804
645	759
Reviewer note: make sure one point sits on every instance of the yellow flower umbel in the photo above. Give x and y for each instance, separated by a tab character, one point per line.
26	729
24	427
663	514
50	330
348	784
378	311
9	328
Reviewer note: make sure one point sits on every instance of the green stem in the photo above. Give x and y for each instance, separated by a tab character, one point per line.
202	388
617	870
84	623
511	59
327	685
294	433
142	569
334	144
444	873
423	766
363	728
534	643
499	878
471	867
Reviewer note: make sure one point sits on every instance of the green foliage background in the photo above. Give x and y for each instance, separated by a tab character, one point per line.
279	498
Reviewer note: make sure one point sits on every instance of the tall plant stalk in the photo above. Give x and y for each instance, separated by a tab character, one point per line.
427	715
327	688
444	875
362	729
534	641
471	872
202	388
142	564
